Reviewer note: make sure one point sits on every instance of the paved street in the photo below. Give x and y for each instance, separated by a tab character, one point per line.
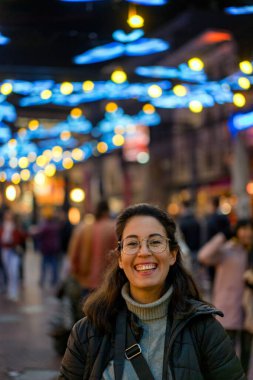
26	350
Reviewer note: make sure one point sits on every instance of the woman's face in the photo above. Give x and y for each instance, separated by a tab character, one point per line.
146	271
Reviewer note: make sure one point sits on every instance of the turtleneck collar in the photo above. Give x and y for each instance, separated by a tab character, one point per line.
150	311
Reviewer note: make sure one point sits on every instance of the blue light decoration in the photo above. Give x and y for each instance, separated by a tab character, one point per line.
7	112
240	121
247	9
183	72
4	40
148	2
132	45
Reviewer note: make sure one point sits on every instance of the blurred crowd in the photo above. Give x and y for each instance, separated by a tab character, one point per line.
217	252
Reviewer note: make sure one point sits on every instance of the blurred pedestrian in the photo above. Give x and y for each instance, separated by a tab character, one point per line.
191	230
215	222
90	246
231	260
11	241
146	320
49	245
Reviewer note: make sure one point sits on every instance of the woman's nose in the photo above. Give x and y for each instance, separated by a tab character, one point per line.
143	248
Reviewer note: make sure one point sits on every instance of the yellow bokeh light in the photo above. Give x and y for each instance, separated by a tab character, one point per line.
41	160
111	107
244	83
47	153
11	193
246	67
66	88
6	88
88	86
77	195
118	140
179	90
3	177
23	162
15	178
67	163
76	113
102	147
40	178
50	170
239	100
46	94
77	154
195	106
74	215
155	91
12	143
25	174
135	21
196	64
119	76
149	109
57	151
2	161
65	135
33	125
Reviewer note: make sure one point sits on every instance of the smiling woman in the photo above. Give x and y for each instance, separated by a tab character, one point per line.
147	320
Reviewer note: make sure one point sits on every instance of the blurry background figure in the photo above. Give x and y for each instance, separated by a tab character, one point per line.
90	246
66	229
215	222
190	228
12	240
231	260
49	245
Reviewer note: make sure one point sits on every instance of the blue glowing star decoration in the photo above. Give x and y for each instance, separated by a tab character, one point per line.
239	10
149	2
240	121
4	40
131	45
7	112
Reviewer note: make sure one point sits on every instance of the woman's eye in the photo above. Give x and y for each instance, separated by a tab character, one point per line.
132	244
155	242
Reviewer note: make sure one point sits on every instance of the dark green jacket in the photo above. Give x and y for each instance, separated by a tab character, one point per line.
197	348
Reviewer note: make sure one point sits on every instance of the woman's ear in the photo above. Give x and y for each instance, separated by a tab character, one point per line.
173	256
120	263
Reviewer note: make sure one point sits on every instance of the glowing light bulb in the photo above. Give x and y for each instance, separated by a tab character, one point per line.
66	88
148	109
76	113
11	193
102	147
155	91
180	90
119	76
195	106
25	174
23	162
244	83
6	88
46	94
239	100
118	140
77	195
111	107
65	135
50	170
77	154
33	125
67	163
135	21
196	64
246	67
88	86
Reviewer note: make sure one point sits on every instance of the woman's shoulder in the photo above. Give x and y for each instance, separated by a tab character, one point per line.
85	330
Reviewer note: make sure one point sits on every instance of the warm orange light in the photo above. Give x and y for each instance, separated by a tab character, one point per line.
111	107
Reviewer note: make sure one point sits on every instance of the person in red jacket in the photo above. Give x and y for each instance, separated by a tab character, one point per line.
11	242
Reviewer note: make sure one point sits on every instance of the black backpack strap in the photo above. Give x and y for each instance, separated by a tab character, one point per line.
134	354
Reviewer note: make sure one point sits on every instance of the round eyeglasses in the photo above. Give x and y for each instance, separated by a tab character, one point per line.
132	245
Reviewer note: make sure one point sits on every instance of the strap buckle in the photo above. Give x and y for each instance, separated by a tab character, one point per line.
132	351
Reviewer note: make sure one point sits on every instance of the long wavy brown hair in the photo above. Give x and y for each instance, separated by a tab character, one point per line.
103	305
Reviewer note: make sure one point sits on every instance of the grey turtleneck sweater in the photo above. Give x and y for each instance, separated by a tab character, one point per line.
152	319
